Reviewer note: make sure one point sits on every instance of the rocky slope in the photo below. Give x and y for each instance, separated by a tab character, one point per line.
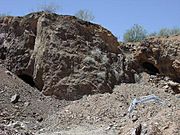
22	106
64	56
109	113
104	114
94	78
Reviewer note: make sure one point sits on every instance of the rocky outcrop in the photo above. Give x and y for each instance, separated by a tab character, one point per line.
160	55
62	55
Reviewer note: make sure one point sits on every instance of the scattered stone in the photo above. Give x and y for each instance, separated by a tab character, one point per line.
134	118
15	98
166	127
9	73
137	130
165	87
173	84
169	104
108	128
39	119
26	104
123	114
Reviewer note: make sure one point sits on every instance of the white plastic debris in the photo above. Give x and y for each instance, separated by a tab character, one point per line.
144	99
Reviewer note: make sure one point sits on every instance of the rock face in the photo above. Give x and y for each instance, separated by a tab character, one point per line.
62	55
160	55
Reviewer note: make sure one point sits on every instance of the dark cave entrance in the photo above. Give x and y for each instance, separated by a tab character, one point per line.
27	79
150	68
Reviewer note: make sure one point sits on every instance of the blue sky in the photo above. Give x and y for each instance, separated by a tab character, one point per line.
115	15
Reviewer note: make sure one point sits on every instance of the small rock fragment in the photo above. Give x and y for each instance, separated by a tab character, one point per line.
8	73
137	130
165	87
39	119
26	104
173	84
134	118
15	98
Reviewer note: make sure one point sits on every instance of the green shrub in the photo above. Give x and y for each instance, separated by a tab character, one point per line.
135	34
164	32
169	32
175	31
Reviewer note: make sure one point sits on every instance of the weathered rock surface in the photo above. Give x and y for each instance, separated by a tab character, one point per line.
62	55
160	55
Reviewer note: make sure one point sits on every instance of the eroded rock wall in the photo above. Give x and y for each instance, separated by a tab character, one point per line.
161	55
64	56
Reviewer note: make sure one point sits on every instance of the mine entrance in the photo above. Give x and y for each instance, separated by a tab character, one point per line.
27	79
150	68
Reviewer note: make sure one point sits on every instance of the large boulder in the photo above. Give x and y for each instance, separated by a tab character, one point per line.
62	55
160	55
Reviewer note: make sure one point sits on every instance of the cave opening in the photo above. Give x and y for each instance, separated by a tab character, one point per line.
150	68
27	79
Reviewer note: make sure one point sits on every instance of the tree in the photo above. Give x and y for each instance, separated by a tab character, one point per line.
166	32
135	34
50	8
85	15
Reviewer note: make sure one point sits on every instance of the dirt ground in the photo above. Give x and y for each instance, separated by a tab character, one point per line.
102	114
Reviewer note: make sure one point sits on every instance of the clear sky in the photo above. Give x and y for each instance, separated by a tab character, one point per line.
115	15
